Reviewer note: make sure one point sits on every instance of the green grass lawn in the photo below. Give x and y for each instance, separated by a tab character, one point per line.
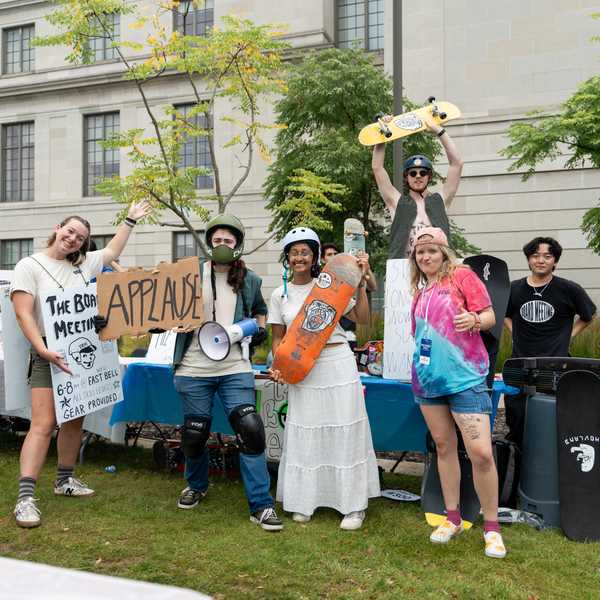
132	528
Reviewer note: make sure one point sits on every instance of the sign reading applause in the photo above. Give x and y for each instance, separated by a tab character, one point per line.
166	297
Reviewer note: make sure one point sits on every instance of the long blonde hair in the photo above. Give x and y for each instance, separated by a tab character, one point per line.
450	264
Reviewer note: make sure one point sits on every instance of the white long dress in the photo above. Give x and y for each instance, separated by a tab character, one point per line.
328	457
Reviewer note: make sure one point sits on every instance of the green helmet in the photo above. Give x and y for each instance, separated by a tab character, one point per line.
221	254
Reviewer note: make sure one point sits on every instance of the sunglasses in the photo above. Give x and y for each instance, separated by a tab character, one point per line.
420	173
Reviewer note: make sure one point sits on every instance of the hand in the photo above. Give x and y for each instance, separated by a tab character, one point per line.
259	337
465	321
432	126
362	258
156	330
275	375
100	323
139	210
56	359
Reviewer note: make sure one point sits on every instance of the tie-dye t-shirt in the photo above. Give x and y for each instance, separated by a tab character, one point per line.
458	361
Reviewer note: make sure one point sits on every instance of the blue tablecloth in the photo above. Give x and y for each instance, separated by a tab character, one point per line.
396	421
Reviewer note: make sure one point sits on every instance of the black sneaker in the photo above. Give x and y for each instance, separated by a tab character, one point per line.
267	518
190	498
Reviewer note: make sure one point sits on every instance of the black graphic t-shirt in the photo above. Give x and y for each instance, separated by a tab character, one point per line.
542	325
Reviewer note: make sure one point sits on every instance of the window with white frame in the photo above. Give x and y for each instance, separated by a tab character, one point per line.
194	21
360	22
184	245
18	56
17	162
99	162
12	251
195	151
101	47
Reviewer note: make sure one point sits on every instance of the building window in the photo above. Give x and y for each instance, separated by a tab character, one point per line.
195	151
101	47
362	22
17	53
184	245
100	162
190	21
101	241
17	162
12	251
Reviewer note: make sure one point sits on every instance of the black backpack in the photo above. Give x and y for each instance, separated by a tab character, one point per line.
508	463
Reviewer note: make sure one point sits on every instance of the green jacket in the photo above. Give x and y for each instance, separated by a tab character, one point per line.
249	299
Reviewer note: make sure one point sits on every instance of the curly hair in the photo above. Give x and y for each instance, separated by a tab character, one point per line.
77	257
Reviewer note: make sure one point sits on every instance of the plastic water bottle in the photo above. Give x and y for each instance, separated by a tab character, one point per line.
110	469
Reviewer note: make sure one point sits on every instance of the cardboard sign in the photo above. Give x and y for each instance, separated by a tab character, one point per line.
271	404
399	345
96	380
167	297
161	348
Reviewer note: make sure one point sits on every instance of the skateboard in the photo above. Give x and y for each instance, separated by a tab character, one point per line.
408	123
578	442
354	237
494	274
318	317
432	499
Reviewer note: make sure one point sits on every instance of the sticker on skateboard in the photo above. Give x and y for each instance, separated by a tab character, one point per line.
578	443
494	274
408	123
306	337
354	237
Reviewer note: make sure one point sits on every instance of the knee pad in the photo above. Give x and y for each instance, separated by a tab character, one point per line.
195	434
249	429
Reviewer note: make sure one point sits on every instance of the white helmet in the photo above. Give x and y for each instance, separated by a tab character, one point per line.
301	234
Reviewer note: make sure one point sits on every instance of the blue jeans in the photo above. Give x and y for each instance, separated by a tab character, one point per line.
197	394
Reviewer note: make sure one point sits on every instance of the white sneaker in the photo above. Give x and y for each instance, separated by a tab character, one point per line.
445	532
27	513
494	546
353	520
300	518
73	487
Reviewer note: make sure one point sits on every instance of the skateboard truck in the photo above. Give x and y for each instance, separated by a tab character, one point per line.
435	111
383	128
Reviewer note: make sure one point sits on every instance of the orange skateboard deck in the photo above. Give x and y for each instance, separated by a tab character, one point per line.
408	123
306	337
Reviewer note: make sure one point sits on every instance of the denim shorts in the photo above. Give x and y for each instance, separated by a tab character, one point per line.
474	400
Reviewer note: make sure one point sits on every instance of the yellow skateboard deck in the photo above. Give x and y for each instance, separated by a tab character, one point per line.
435	520
407	123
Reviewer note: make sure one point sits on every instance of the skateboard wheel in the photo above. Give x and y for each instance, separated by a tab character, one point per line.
378	116
388	134
443	115
431	99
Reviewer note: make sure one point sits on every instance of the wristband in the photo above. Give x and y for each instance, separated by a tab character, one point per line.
441	133
129	221
477	325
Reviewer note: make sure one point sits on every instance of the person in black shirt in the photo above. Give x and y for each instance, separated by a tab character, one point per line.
544	313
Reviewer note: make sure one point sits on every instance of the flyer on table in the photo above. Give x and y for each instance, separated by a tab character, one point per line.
96	380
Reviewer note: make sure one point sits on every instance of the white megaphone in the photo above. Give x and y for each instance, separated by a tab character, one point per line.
216	340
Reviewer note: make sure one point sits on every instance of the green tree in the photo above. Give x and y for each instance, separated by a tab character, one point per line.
573	133
239	63
331	95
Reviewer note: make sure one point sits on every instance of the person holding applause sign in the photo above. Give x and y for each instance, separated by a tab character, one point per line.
64	263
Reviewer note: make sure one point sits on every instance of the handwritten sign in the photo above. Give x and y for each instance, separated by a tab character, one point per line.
96	380
398	344
135	301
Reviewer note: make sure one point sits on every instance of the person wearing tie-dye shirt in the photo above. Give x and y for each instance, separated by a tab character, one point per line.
450	307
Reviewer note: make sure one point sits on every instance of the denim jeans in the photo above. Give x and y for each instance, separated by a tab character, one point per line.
197	394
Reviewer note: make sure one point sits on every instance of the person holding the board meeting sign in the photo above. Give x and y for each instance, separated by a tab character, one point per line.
450	364
418	208
64	263
231	292
328	458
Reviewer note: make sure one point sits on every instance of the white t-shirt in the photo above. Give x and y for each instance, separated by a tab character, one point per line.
283	311
195	363
47	273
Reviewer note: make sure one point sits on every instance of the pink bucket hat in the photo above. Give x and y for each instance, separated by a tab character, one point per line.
431	235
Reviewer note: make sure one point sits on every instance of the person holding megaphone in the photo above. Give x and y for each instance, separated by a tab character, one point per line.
232	296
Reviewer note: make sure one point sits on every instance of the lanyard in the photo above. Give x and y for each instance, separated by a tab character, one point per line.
76	271
426	316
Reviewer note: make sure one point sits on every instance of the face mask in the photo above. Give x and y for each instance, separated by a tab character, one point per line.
222	254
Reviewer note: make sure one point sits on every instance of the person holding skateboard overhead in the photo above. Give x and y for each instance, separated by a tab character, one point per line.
450	363
544	313
230	292
412	211
328	458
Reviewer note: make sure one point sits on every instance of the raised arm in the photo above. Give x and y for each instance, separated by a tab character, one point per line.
387	190
113	249
455	162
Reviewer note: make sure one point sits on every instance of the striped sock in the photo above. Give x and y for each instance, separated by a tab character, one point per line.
63	473
26	487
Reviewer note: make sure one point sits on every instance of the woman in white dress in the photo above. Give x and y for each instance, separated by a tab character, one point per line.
328	458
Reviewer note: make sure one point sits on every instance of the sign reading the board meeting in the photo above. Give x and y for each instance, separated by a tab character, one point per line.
96	380
136	301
